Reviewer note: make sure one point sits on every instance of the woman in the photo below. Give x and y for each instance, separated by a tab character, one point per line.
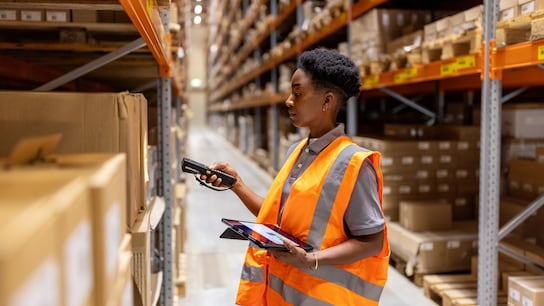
328	193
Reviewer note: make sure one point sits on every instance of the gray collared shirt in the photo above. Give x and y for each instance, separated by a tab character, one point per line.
363	215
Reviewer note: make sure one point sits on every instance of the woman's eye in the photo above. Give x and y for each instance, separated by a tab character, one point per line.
296	94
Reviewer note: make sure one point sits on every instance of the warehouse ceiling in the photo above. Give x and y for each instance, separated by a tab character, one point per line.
49	39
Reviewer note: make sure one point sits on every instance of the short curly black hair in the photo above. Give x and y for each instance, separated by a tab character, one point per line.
331	70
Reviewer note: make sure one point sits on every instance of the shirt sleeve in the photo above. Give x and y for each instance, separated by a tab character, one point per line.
364	215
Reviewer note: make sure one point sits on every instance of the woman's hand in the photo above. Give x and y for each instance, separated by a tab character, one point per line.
295	256
223	167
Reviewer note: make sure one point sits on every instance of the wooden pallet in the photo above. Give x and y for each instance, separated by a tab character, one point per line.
434	284
403	60
467	43
521	28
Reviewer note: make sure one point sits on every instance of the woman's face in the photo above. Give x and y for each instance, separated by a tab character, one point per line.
306	105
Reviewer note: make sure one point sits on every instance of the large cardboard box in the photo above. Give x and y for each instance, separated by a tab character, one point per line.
433	252
104	178
527	7
523	120
122	288
29	262
64	197
88	122
421	216
526	290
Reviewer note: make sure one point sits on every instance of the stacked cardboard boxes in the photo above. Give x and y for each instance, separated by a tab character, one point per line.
101	122
84	197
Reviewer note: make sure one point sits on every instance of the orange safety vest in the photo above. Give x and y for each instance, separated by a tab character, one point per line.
314	212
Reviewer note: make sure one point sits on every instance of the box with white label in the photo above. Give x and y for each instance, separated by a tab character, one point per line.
526	7
526	290
57	15
32	15
508	9
9	14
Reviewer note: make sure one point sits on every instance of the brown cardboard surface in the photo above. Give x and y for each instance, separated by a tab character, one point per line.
65	196
104	177
29	252
421	216
95	122
141	252
432	252
525	289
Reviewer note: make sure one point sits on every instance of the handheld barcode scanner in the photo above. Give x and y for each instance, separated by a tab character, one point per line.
196	168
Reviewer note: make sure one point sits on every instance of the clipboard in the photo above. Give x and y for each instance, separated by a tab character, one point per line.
265	236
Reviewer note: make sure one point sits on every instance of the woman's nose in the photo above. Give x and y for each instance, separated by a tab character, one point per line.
289	102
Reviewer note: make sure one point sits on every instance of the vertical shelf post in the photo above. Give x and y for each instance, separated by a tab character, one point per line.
274	120
164	107
489	168
351	107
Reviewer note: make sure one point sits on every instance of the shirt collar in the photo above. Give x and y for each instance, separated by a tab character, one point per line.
322	142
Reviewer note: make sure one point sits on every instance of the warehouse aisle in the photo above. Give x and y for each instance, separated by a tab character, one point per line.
214	264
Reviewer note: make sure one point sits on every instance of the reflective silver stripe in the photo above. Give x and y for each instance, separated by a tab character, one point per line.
252	274
322	213
349	281
320	221
292	295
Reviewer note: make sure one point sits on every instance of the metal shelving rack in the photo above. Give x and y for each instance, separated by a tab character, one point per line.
495	61
153	25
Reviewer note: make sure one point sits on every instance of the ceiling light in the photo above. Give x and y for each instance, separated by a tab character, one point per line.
196	82
197	20
198	9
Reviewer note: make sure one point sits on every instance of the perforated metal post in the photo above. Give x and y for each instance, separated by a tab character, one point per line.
274	120
489	170
164	107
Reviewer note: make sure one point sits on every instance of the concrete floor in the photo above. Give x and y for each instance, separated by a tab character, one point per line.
214	264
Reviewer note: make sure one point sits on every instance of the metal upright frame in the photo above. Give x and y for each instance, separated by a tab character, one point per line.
489	167
164	96
274	120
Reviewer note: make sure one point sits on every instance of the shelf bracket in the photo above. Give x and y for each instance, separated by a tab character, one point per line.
93	65
514	94
517	220
408	102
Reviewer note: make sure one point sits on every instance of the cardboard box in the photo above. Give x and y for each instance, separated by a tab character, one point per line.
104	177
508	9
30	268
467	20
122	288
530	6
9	14
421	216
64	195
84	16
525	178
32	15
523	120
141	257
57	15
526	290
89	123
540	155
433	252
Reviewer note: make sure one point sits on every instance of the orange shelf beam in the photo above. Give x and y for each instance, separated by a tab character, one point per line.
455	67
145	16
524	54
